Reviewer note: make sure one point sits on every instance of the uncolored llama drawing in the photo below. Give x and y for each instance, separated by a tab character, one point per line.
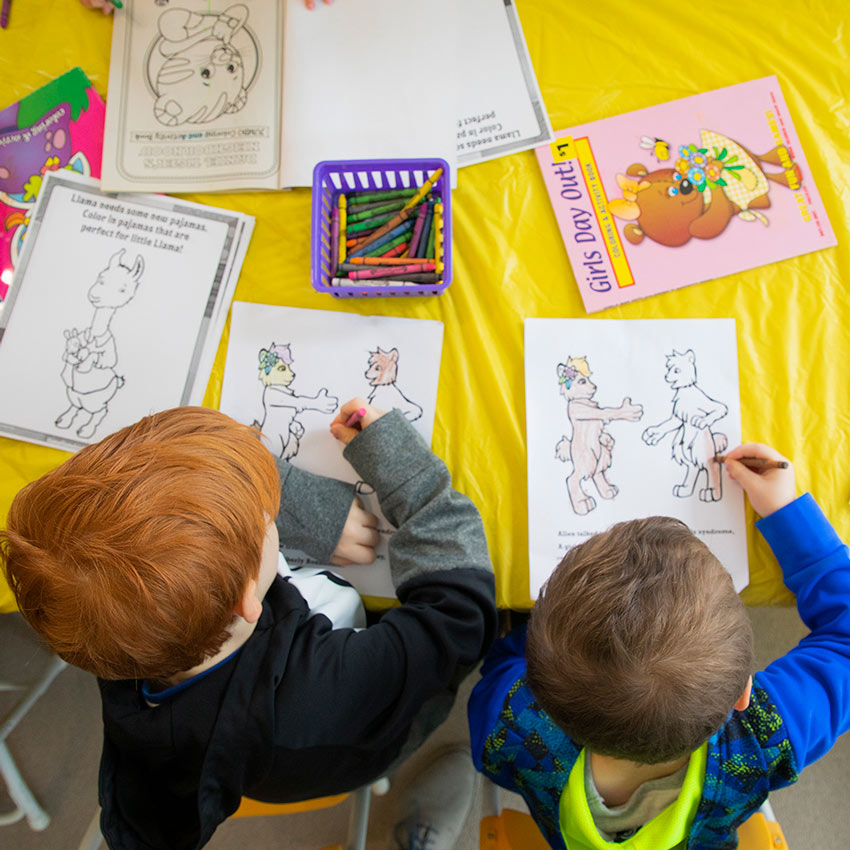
694	443
91	355
281	405
382	375
591	444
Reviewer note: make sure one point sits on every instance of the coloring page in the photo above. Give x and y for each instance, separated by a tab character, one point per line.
194	95
623	421
288	371
115	311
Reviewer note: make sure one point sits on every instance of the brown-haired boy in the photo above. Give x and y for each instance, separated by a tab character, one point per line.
151	559
628	713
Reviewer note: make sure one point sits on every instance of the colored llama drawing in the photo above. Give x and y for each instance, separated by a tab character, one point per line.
385	394
281	405
201	65
694	443
591	445
91	355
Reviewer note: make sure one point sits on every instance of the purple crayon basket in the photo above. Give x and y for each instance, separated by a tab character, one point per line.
331	177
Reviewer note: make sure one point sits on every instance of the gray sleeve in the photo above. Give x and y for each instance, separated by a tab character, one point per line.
437	527
313	510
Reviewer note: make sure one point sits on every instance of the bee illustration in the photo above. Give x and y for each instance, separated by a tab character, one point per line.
659	147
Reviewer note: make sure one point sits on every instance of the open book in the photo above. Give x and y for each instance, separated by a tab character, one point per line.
210	96
252	95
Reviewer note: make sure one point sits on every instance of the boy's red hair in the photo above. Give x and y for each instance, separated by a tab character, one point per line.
130	557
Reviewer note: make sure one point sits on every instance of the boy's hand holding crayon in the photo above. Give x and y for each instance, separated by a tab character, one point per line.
353	417
767	489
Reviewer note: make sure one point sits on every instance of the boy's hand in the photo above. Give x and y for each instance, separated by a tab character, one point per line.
104	5
346	433
767	489
359	537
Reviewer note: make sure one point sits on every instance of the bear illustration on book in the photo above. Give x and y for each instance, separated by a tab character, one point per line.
591	444
695	444
709	185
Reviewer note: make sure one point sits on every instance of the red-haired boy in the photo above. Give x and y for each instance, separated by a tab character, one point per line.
151	560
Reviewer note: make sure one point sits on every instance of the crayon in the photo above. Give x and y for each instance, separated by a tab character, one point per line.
432	236
389	271
379	206
344	281
373	243
417	229
381	250
397	251
756	462
342	227
438	237
375	263
386	228
425	189
334	240
422	248
422	277
394	261
369	224
355	417
384	208
383	194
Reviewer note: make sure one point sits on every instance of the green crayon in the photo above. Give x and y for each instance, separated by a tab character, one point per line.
368	224
385	195
358	208
391	207
388	246
429	251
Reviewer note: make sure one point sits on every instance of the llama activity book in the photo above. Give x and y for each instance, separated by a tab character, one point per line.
288	371
59	126
623	420
115	311
683	192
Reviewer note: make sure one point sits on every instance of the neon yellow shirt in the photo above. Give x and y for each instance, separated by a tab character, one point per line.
665	831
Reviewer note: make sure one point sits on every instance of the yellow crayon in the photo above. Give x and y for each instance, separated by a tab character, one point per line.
343	216
438	237
426	188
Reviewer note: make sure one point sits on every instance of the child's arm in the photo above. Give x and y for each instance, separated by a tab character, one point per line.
811	684
323	518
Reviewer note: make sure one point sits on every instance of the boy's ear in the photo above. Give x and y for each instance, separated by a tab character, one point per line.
249	607
744	700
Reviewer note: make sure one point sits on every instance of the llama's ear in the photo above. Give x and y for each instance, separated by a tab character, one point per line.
115	259
562	369
138	268
692	358
394	355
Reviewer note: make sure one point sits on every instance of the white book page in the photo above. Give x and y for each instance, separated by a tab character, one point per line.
317	360
194	96
500	109
368	79
114	312
607	441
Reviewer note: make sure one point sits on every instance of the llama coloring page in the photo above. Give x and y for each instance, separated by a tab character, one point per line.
116	310
288	370
623	420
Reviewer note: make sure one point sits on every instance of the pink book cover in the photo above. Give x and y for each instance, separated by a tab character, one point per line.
683	192
58	126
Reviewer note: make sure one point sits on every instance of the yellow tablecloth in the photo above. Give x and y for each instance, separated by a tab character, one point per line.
593	60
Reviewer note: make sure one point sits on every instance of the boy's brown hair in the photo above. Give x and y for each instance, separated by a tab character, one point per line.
130	557
639	646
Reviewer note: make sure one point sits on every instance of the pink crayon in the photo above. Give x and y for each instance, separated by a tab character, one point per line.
334	239
355	417
389	271
418	225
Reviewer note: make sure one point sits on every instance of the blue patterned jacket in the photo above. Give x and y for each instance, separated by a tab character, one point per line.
799	706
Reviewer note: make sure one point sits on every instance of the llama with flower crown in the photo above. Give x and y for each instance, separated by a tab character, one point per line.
591	445
382	375
281	405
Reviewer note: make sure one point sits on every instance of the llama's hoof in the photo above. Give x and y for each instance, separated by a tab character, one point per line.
86	431
708	494
680	491
584	506
609	491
